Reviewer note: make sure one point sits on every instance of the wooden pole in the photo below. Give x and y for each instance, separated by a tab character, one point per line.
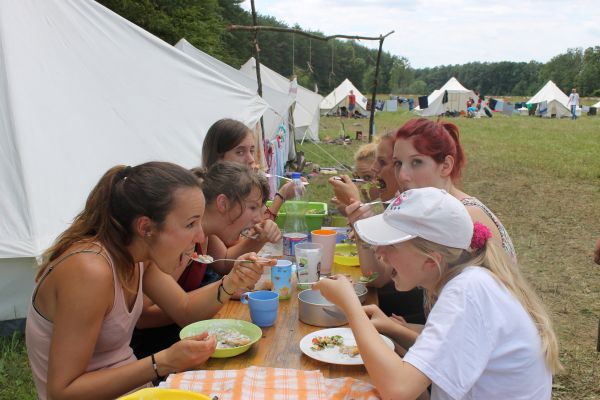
372	116
255	28
299	32
257	62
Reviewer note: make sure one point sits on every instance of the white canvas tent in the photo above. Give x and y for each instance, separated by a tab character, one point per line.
81	90
556	100
597	105
306	110
339	97
456	99
280	101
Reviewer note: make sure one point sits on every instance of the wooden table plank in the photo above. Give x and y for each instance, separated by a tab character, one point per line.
279	345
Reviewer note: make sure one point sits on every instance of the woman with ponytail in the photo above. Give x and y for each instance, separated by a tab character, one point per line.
487	335
136	224
229	210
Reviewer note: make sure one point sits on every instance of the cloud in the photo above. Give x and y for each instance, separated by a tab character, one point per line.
441	32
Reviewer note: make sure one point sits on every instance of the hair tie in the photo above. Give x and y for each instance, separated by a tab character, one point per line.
481	234
124	172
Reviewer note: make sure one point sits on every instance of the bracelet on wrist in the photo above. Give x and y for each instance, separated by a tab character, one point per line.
280	196
155	367
223	286
271	214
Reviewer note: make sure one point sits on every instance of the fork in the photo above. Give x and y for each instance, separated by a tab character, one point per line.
282	177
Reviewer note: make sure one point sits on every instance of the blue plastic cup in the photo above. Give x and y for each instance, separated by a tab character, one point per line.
264	305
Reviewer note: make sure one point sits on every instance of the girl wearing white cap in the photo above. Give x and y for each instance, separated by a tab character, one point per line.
487	336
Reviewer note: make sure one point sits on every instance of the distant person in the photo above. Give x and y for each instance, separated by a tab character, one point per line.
351	103
573	103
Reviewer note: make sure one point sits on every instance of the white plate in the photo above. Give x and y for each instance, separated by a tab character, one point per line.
332	355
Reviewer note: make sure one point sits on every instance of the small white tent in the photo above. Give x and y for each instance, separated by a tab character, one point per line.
81	90
556	101
597	105
339	97
306	110
452	97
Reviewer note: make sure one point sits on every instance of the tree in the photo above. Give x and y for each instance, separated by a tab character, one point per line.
588	80
563	69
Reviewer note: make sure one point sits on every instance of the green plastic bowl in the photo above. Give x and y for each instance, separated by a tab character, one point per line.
244	327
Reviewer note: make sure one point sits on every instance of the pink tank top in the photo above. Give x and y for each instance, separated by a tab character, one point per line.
112	347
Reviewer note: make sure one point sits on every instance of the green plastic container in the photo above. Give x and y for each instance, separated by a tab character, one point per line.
314	217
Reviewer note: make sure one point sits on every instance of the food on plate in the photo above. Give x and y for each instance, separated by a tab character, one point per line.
369	277
228	338
323	342
202	258
346	254
351	351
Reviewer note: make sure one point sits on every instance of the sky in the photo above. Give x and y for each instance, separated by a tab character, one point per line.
442	32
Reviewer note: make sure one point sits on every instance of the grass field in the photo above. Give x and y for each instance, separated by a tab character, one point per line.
542	178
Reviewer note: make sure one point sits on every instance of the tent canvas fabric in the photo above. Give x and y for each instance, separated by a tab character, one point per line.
457	99
279	100
597	105
339	97
557	101
82	90
306	110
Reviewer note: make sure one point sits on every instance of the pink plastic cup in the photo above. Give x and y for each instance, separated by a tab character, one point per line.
326	237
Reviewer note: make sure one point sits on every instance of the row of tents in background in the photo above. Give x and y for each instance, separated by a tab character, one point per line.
549	101
82	89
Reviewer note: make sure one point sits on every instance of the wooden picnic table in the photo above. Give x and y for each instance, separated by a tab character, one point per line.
279	345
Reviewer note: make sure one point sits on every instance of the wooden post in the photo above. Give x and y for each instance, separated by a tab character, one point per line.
258	79
372	116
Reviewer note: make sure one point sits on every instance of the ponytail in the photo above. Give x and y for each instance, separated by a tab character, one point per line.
123	194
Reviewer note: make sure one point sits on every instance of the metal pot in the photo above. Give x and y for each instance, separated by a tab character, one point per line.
361	291
311	304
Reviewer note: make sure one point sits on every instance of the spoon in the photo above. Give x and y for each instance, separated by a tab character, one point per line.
206	259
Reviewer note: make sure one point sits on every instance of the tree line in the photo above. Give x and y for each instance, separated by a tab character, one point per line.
325	64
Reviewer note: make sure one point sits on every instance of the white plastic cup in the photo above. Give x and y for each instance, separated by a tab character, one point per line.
327	238
308	263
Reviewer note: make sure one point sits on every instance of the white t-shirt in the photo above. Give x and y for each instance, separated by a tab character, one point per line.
573	99
480	343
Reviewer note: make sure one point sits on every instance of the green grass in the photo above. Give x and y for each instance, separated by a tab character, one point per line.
15	375
541	177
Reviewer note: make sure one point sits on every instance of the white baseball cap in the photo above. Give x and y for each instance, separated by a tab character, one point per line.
429	213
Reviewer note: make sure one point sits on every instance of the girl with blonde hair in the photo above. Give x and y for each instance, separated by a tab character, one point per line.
487	336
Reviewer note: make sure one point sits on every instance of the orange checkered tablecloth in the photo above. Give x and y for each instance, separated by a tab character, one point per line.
261	383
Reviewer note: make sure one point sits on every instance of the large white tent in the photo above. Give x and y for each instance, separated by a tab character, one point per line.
556	100
597	105
339	97
306	110
452	97
280	101
81	90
